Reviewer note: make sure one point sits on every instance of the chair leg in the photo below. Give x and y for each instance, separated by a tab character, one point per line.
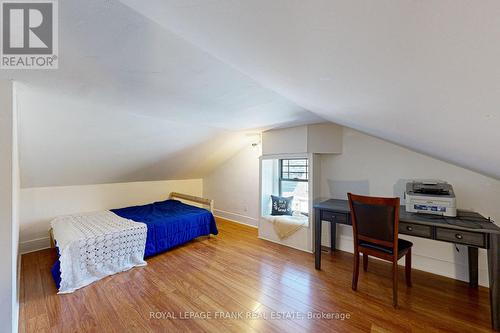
408	267
355	272
365	262
395	283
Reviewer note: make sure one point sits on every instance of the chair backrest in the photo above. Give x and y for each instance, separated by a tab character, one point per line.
375	220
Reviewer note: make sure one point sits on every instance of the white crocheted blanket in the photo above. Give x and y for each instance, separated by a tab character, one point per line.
95	245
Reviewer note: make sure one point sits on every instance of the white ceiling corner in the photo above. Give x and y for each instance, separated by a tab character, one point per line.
132	101
424	75
158	89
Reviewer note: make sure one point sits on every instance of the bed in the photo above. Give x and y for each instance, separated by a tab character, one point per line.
132	234
170	223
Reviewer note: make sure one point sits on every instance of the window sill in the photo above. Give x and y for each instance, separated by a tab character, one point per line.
272	218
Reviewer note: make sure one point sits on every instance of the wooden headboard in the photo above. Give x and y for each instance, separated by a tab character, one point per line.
192	198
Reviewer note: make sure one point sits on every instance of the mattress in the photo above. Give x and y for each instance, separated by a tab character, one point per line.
169	223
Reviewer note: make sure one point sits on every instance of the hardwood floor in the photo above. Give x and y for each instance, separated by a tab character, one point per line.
236	274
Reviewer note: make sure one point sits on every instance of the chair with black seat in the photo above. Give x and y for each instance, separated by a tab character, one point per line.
375	229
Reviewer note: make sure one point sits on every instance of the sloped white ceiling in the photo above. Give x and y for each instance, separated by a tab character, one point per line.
423	74
166	89
132	101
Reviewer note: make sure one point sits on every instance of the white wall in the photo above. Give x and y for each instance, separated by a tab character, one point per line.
372	166
40	205
320	138
8	208
234	186
290	140
16	184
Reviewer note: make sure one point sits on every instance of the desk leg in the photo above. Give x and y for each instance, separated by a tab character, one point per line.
473	266
333	235
494	275
317	239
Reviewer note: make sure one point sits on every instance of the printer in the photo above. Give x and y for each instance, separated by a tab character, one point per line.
430	197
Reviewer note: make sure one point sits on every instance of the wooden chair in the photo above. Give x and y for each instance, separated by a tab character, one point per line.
375	228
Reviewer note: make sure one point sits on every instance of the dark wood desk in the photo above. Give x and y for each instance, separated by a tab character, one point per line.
468	228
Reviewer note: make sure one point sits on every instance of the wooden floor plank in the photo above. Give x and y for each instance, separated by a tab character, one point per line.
271	287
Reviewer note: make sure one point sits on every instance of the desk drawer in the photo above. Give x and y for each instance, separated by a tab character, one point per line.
461	237
415	230
334	217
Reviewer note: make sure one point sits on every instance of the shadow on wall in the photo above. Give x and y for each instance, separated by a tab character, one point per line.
209	154
399	189
339	188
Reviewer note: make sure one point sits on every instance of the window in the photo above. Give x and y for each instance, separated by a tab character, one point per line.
294	181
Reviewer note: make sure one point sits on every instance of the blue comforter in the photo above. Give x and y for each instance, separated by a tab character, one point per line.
170	223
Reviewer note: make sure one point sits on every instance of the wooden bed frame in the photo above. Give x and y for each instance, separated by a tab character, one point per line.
203	201
192	198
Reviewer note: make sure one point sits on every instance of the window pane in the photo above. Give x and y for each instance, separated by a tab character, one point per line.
294	175
295	169
298	169
299	191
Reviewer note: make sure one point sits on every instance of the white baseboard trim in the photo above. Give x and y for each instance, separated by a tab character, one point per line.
34	245
237	218
276	242
453	270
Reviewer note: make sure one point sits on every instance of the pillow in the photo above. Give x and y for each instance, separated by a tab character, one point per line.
281	205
